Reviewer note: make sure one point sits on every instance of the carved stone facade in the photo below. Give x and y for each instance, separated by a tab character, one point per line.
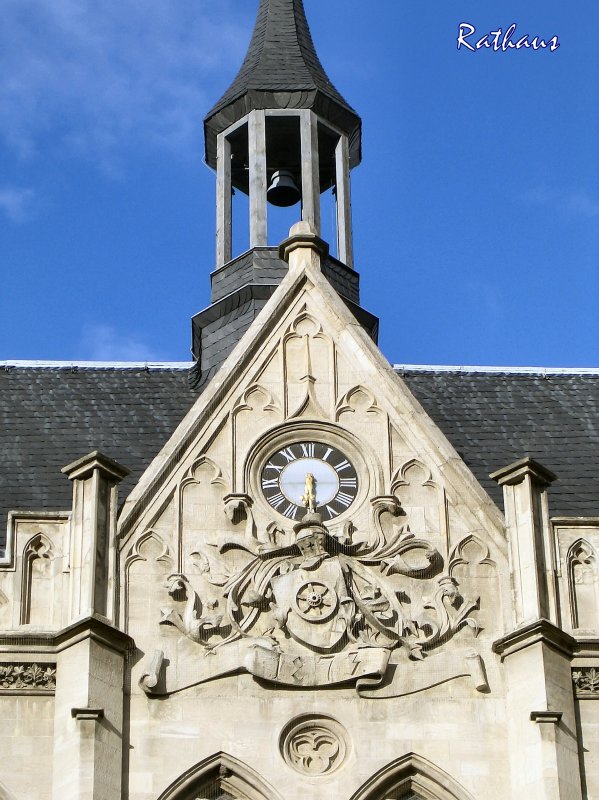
307	590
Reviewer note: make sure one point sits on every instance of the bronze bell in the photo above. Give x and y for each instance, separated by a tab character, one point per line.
283	191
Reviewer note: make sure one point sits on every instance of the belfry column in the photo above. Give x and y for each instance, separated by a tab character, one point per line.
345	247
310	172
537	654
257	168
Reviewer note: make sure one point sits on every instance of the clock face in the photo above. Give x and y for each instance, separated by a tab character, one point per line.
307	474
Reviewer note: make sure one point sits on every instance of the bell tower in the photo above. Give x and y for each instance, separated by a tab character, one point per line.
282	135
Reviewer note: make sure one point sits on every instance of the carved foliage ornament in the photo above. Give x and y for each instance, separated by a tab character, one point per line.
39	677
312	609
586	682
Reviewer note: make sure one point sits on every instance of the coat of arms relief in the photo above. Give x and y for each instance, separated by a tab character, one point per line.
314	605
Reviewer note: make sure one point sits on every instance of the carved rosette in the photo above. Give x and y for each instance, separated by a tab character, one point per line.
314	744
586	682
40	678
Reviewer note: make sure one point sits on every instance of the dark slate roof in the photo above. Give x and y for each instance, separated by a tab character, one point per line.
494	419
281	70
50	417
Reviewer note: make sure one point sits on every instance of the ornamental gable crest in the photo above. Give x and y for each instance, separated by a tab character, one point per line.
308	525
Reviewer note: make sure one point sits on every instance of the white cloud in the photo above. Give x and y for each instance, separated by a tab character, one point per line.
16	202
106	343
570	202
102	77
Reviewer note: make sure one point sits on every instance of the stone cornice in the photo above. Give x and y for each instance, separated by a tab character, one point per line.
516	472
586	648
539	631
96	628
85	466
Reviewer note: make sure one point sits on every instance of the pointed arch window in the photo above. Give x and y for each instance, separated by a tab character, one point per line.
411	777
220	777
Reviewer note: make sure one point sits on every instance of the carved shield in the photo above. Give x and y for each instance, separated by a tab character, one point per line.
315	601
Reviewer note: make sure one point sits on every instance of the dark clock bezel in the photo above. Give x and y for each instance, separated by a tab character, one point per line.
278	459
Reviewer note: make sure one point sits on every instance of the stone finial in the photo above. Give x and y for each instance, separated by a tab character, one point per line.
303	246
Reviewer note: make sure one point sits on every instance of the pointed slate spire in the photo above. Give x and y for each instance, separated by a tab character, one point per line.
282	70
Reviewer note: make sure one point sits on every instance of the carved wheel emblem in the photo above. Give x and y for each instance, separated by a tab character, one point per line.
315	601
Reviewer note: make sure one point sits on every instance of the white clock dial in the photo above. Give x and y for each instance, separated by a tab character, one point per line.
333	477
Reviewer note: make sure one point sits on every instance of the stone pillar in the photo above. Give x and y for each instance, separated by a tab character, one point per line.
88	716
537	654
532	556
540	712
88	712
92	557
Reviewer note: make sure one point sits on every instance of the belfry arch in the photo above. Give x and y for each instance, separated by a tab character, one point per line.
411	777
220	777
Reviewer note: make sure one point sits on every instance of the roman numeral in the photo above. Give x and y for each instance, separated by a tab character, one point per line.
331	512
327	454
290	511
288	454
270	465
308	449
270	483
348	483
276	500
342	465
344	499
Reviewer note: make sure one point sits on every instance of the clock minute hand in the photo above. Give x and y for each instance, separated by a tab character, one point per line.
309	497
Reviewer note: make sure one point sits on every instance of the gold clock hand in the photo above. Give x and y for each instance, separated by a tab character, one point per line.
309	497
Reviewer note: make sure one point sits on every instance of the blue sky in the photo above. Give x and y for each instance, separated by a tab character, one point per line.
476	208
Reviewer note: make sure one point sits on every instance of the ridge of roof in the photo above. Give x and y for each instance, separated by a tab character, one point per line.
497	370
96	365
186	365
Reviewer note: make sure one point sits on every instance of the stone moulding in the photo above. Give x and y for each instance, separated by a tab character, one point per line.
586	682
27	678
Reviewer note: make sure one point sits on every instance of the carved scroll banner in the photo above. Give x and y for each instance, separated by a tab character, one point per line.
364	666
409	677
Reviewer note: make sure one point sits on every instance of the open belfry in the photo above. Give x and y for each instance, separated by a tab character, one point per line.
289	569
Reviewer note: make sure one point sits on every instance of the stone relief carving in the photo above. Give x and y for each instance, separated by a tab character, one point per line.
314	744
307	354
586	682
37	582
583	580
310	609
470	552
357	400
18	677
